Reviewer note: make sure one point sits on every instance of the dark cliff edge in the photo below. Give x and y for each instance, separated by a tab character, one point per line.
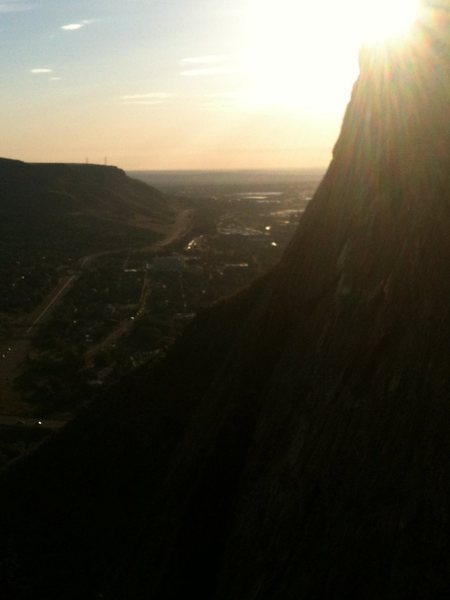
103	192
294	445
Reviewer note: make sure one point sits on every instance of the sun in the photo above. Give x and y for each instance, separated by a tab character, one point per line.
303	53
381	20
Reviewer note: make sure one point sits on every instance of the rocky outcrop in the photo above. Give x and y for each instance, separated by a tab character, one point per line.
294	445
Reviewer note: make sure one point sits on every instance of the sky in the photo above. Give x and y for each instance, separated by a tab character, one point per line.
177	84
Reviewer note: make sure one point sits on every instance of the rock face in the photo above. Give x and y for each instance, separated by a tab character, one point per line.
294	445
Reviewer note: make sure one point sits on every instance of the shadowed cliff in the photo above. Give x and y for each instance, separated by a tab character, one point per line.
294	444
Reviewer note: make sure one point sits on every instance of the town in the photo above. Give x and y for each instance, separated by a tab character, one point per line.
120	308
126	308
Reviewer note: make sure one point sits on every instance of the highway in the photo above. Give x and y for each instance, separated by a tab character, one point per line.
14	351
55	298
17	421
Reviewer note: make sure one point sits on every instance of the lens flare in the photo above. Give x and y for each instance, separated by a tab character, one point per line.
385	19
303	53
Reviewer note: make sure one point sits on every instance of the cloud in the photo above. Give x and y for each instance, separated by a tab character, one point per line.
209	59
72	26
12	6
207	65
149	96
222	101
143	103
216	107
76	26
148	99
224	95
208	71
40	71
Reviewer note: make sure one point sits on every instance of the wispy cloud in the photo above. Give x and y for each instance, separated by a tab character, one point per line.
222	101
12	6
76	26
208	71
150	95
40	71
231	96
207	65
149	99
143	103
209	59
72	26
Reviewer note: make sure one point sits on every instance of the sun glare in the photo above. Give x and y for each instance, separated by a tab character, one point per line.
304	54
385	19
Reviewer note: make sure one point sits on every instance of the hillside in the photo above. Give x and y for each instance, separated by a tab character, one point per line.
100	191
51	215
65	233
294	444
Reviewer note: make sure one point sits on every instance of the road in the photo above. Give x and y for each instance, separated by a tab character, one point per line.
181	227
183	224
15	421
14	352
123	327
55	298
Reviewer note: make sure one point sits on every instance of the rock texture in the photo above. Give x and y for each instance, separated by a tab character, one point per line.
295	443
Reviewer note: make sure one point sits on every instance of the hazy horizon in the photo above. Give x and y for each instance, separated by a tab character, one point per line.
216	179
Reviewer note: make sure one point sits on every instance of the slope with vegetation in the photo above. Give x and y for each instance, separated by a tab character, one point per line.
51	215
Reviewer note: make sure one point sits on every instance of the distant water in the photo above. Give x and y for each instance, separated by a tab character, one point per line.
245	179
